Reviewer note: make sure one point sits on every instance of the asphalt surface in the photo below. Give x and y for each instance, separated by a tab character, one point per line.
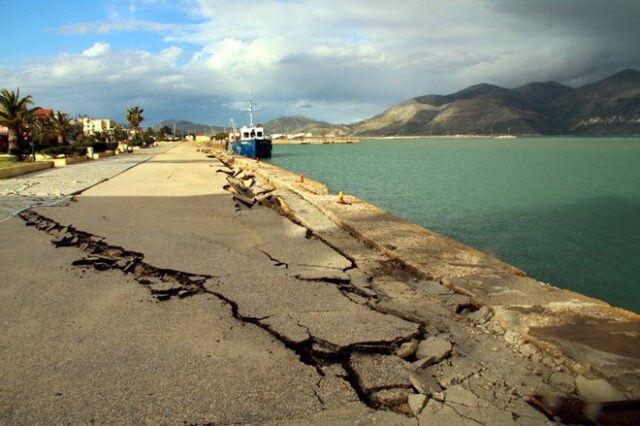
82	345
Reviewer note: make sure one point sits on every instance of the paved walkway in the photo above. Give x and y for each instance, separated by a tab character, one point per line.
52	185
203	312
155	298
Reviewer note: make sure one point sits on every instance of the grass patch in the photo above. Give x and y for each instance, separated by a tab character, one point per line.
7	163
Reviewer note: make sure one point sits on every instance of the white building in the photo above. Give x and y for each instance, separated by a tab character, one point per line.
92	125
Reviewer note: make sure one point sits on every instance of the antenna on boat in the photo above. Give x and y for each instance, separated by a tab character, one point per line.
250	109
250	112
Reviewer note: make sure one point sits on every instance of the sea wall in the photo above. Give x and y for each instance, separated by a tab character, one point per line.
588	335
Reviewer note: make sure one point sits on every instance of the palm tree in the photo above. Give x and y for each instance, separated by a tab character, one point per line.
59	125
134	117
15	114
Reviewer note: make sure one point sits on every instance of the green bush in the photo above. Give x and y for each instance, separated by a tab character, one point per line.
19	153
99	147
78	150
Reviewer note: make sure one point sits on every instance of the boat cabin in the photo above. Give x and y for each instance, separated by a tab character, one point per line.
252	132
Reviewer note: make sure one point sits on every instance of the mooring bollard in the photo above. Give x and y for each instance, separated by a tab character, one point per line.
341	198
301	180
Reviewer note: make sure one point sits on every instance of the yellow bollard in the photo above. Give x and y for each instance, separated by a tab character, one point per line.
341	198
301	180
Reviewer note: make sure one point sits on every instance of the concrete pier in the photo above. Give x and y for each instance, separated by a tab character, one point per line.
158	296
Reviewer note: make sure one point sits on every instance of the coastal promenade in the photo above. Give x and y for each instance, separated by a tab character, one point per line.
52	185
156	297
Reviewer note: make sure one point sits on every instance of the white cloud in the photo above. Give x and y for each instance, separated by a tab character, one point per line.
96	50
349	59
118	26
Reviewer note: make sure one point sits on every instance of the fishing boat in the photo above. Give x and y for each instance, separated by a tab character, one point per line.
249	141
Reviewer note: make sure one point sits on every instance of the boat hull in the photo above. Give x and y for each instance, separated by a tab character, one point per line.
252	148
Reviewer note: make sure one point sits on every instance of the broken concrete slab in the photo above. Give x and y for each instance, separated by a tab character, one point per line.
407	349
390	397
433	288
438	414
459	395
433	350
480	316
320	309
375	372
425	383
597	390
287	329
416	403
335	392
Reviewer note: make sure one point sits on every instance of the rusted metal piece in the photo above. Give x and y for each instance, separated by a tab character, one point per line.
572	410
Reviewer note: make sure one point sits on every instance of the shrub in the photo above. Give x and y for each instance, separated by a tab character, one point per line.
78	150
19	153
99	147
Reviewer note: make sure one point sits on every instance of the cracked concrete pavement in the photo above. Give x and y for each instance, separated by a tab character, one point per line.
165	300
88	340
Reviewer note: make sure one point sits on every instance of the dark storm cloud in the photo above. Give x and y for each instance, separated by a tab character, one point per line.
590	38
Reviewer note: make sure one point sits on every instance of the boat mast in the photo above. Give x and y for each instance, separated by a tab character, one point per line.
250	113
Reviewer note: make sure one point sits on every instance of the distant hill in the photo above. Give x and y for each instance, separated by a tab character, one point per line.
184	127
300	124
540	94
482	108
608	107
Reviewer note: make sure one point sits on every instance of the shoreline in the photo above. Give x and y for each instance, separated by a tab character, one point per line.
525	312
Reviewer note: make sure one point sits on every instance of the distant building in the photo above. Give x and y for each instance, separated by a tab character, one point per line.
92	125
300	136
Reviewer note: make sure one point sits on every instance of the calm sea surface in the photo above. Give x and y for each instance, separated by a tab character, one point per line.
566	210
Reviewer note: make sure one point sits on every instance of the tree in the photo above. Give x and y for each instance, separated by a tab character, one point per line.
119	134
59	125
15	115
134	117
165	131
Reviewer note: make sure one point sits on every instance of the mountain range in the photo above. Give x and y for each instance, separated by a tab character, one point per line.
607	107
185	127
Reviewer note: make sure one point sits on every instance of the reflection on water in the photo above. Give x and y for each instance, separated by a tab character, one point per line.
566	210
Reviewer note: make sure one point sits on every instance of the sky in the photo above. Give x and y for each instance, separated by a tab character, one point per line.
335	60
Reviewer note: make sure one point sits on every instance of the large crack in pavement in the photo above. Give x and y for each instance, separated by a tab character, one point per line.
165	284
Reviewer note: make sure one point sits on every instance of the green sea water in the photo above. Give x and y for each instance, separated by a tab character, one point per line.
564	209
